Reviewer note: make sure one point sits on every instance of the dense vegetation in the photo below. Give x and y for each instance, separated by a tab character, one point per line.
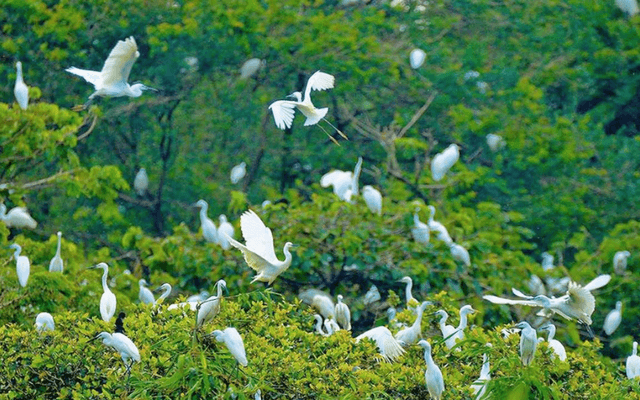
557	80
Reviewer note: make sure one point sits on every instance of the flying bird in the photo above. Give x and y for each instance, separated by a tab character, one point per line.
20	90
56	264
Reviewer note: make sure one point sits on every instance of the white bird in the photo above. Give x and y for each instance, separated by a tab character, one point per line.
144	294
211	307
443	161
435	226
420	230
528	342
341	181
331	326
209	231
495	142
44	322
20	90
433	375
318	319
123	345
372	295
320	301
459	253
232	339
416	58
283	110
633	363
56	264
167	291
388	346
410	335
343	314
141	182
23	266
251	67
238	172
17	217
578	303
373	199
556	346
620	261
259	252
112	80
225	229
411	301
448	331
479	386
613	319
356	177
628	6
108	299
547	261
462	325
536	286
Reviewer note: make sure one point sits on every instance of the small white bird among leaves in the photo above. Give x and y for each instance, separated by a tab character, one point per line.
141	182
251	67
123	345
630	7
209	230
17	217
232	339
209	308
420	231
528	342
23	265
225	229
388	346
613	319
373	199
416	58
238	172
633	363
479	386
442	162
433	375
20	90
495	142
556	346
343	314
620	261
438	228
144	294
44	322
448	331
56	264
108	299
459	253
410	335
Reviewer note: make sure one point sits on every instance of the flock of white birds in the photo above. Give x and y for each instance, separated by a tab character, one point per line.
259	252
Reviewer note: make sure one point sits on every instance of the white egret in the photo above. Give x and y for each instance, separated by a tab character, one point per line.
433	375
343	314
420	230
578	303
144	294
547	261
17	217
20	90
331	326
318	319
462	325
372	295
613	319
320	301
411	301
123	345
341	181
167	291
479	386
44	322
23	266
112	80
388	346
528	342
373	199
202	296
633	363
448	331
283	110
416	58
251	67
232	339
443	161
108	299
628	6
259	252
225	229
459	253
56	264
141	182
620	261
211	306
209	231
238	172
435	226
495	142
410	335
556	346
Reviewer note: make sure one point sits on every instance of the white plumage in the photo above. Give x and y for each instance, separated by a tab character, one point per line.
420	230
448	331
528	342
17	217
479	386
343	314
20	90
556	346
462	325
613	319
495	142
443	161
44	322
373	199
209	308
108	299
411	301
633	363
225	230
209	231
388	346
56	264
251	67
547	261
620	261
459	253
319	300
141	182
232	339
123	345
416	58
144	294
410	335
238	172
433	375
630	7
23	265
435	226
344	183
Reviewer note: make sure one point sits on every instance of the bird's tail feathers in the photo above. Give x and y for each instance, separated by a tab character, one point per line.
320	113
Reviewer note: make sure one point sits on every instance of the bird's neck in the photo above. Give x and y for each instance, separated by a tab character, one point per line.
287	258
407	291
463	321
59	243
104	280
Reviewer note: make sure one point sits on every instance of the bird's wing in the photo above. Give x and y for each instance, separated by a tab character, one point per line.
581	299
388	346
255	261
257	236
318	81
597	282
332	177
118	65
89	76
283	112
502	300
520	294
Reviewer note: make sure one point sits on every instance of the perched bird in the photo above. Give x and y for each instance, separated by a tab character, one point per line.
318	319
17	217
373	199
343	314
443	161
388	346
495	142
23	266
209	231
479	386
416	58
232	339
20	90
448	331
331	326
464	312
167	291
630	7
578	303
144	294
435	226
112	80
56	264
238	172
251	67
108	299
211	306
420	230
633	363
528	342
459	253
141	182
225	229
259	252
547	261
411	301
372	295
344	183
556	346
123	345
613	319
620	261
410	335
433	375
44	322
319	300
